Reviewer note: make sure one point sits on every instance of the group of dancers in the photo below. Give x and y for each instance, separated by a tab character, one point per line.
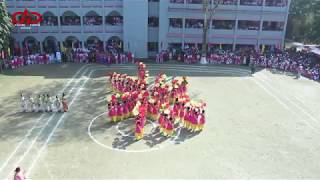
167	103
44	103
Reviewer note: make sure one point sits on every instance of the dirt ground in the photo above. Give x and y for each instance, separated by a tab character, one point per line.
265	126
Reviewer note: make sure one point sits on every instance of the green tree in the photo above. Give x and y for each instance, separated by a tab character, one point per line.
303	21
5	29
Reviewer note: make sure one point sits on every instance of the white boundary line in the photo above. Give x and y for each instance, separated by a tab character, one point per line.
46	124
132	119
79	90
55	127
61	118
267	82
41	150
283	103
290	101
38	120
125	150
38	135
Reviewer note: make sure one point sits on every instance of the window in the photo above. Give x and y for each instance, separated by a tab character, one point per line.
276	3
251	2
223	24
194	23
249	25
153	22
177	1
273	26
175	22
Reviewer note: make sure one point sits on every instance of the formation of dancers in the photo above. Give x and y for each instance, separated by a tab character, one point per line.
165	102
44	103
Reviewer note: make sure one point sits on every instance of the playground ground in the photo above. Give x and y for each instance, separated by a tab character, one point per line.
265	126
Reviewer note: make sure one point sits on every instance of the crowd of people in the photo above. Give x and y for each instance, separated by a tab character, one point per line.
20	61
285	61
93	20
113	55
43	103
276	3
166	102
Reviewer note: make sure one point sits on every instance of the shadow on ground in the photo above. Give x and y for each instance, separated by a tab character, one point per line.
67	70
90	103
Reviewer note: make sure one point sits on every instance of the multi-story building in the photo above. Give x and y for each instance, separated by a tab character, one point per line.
148	26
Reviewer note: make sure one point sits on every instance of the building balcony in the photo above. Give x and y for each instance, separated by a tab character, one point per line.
69	3
226	7
250	8
247	33
247	36
11	3
194	6
93	29
275	9
26	4
193	31
48	29
221	36
47	3
71	29
271	34
114	29
176	5
221	32
92	3
175	30
113	4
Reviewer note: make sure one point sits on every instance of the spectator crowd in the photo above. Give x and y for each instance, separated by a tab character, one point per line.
284	61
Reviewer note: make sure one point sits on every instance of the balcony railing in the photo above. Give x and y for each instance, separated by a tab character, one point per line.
25	4
47	3
70	29
93	29
113	4
113	29
48	29
92	3
11	4
70	3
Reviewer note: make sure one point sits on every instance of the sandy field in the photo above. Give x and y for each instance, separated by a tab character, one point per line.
265	126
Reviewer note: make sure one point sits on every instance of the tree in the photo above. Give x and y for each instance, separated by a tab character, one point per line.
303	22
209	11
5	29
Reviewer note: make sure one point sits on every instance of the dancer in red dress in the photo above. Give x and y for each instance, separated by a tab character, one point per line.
64	103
